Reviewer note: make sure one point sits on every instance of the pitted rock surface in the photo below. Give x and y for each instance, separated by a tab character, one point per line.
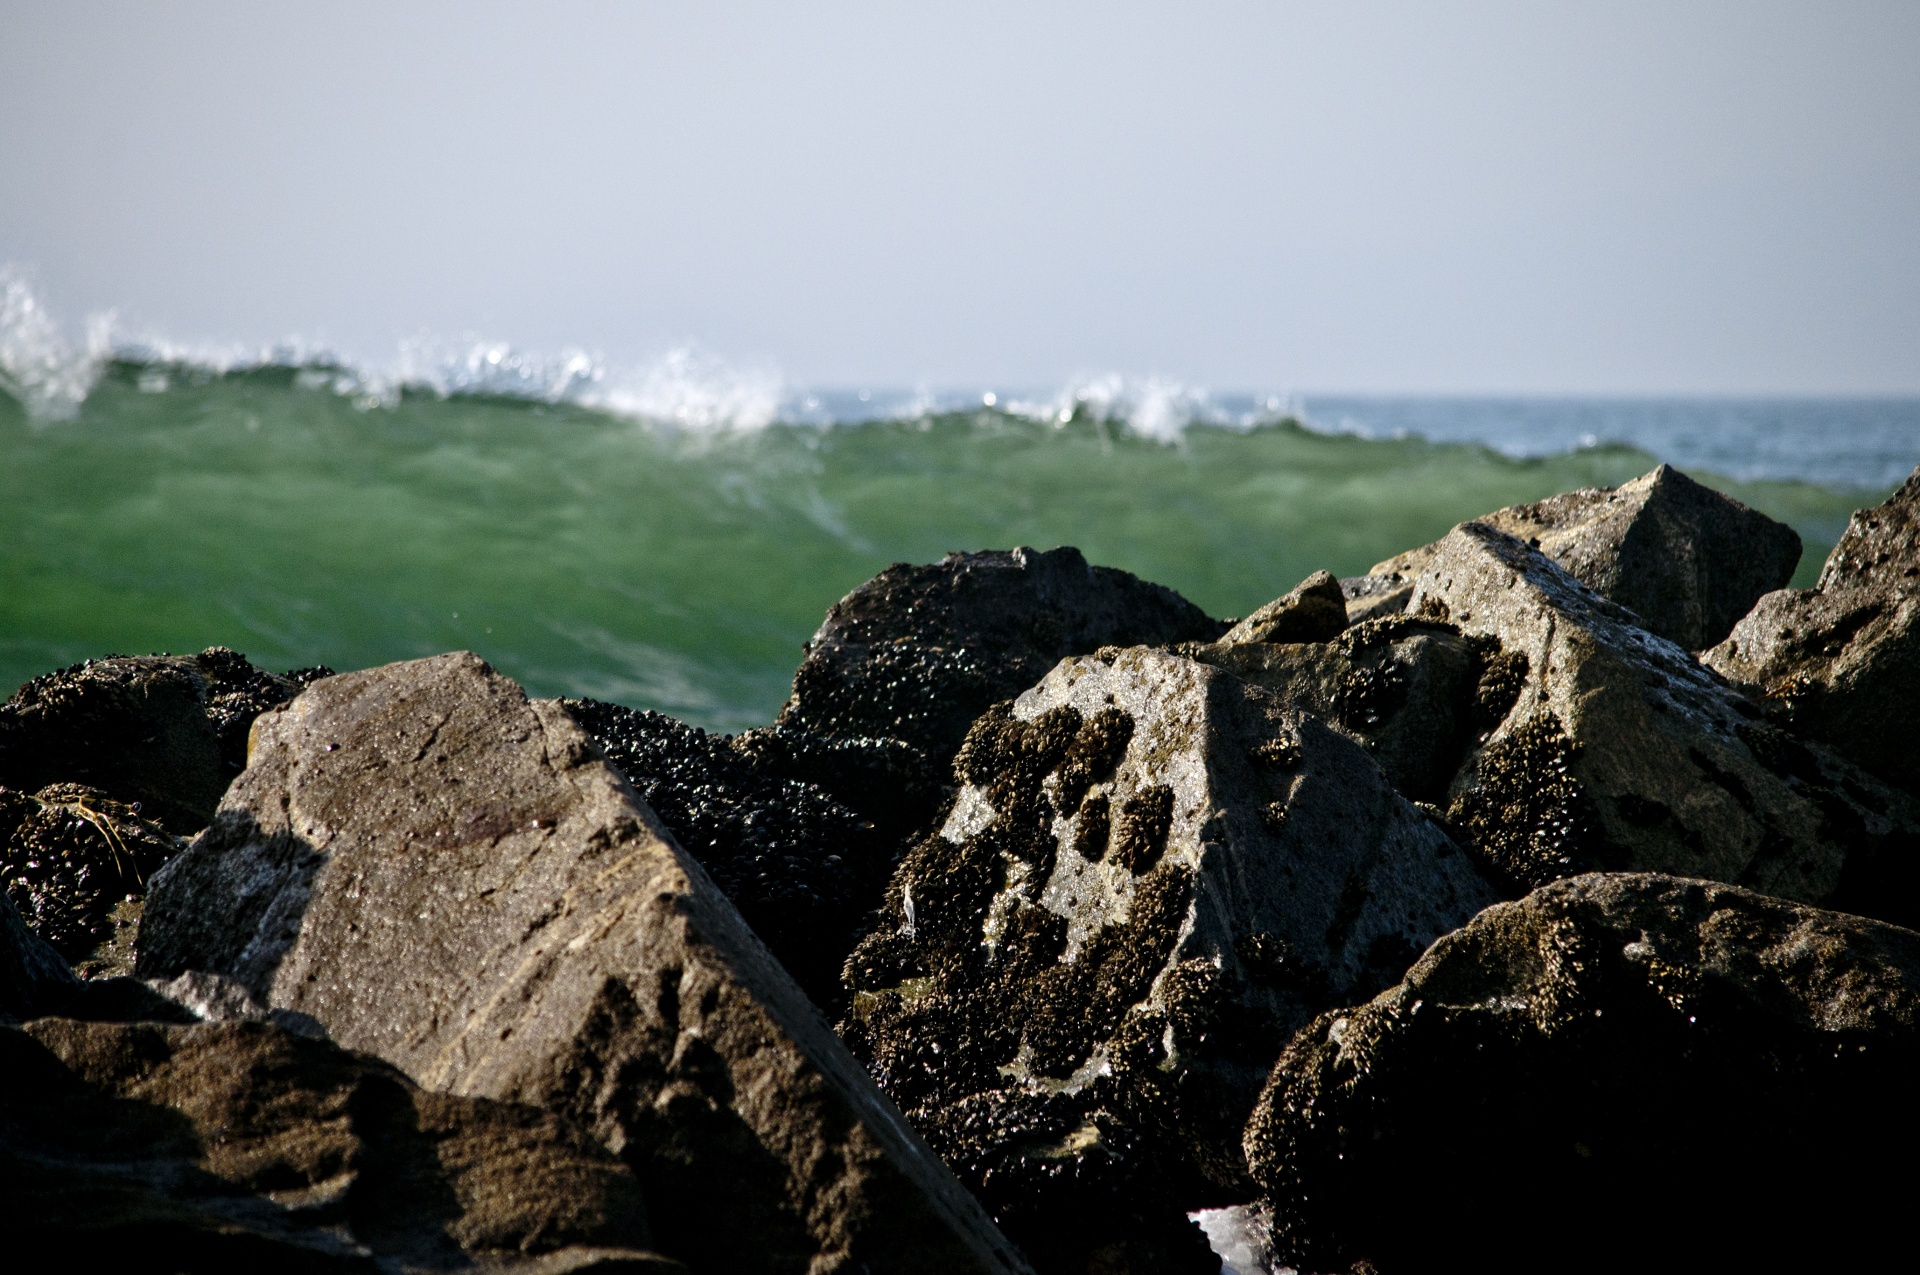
1617	1072
1153	873
139	1146
445	874
1622	752
1841	660
1688	561
918	652
1315	610
164	733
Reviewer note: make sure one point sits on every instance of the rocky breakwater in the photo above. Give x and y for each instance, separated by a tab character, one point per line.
431	868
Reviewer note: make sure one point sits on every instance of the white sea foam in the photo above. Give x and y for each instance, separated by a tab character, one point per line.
39	367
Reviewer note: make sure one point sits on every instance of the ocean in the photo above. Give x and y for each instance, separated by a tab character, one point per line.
669	540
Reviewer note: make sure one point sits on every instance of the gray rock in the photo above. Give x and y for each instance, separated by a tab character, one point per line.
1684	558
165	733
1619	1072
918	652
33	977
1374	597
1314	611
1152	874
240	1146
1620	751
1841	660
446	875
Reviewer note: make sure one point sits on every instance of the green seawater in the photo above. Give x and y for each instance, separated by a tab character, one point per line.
585	554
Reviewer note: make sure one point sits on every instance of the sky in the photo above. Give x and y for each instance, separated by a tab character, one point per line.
1537	197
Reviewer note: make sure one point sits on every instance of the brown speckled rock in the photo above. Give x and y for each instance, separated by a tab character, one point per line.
1620	751
239	1146
1842	660
1152	874
1619	1072
1315	610
447	875
1688	561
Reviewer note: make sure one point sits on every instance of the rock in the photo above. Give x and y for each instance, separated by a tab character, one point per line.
1374	597
76	863
163	733
1688	561
439	872
803	869
1415	693
241	1146
918	652
1619	1072
1315	611
1841	661
33	977
1621	752
1153	873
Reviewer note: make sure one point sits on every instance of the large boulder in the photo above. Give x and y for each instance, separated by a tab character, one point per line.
440	872
240	1146
75	863
1152	874
1621	752
1688	561
1619	1072
164	733
917	653
804	869
1841	660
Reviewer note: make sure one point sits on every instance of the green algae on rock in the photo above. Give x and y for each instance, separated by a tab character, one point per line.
1153	871
1620	1071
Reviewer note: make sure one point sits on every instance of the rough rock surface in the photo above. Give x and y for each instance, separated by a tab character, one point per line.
449	876
1619	1072
163	733
1621	752
34	980
918	652
1684	558
803	869
1417	694
1152	874
76	863
240	1146
1842	660
1314	611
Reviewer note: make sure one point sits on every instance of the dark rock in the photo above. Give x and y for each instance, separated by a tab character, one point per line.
1619	1072
1619	751
240	1146
75	863
803	869
1841	661
918	652
442	873
1688	561
163	733
1315	611
1152	874
34	979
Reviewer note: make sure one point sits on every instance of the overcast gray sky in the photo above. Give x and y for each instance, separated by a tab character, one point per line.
1616	197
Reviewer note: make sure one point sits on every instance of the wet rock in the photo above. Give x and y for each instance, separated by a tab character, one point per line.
75	863
1841	661
918	652
163	733
1153	873
442	873
1688	561
241	1146
1415	693
1619	1072
803	869
1315	611
1621	752
34	979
